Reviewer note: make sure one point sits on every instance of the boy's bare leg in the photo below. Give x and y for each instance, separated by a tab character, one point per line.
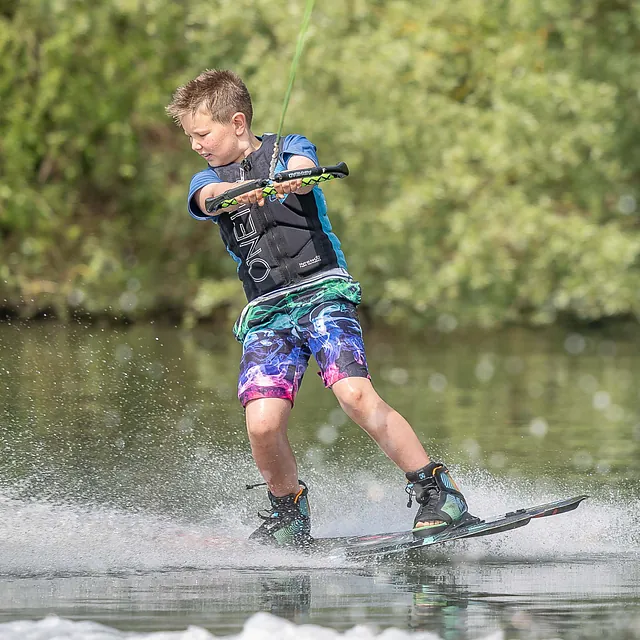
385	425
267	428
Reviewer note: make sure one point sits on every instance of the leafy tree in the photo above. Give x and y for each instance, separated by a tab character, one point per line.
493	150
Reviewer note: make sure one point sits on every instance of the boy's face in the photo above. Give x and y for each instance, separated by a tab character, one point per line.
217	143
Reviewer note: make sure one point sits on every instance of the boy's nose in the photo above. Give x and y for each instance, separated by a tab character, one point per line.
195	145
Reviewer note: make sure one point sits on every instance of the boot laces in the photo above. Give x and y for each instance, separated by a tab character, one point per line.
267	514
426	491
288	507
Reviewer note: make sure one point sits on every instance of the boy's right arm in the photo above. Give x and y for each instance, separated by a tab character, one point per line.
216	189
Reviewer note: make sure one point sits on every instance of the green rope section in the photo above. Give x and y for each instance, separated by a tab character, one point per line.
304	27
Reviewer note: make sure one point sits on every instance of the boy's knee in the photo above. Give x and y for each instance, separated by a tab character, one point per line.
267	417
353	396
261	428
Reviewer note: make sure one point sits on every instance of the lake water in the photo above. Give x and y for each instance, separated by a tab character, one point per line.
123	509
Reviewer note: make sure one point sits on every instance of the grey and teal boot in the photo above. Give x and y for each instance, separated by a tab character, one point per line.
441	503
288	522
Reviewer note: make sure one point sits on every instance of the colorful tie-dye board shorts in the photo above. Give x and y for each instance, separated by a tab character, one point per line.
278	339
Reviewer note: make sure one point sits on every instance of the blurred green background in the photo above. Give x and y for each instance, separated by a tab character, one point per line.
493	147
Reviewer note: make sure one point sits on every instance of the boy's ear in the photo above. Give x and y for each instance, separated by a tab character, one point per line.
239	121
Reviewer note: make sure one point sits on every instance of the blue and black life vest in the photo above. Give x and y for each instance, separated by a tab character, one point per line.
282	242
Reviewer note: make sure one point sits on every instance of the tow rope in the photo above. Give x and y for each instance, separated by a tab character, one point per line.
304	27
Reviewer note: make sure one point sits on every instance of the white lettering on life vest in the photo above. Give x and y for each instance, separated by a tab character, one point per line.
244	229
308	263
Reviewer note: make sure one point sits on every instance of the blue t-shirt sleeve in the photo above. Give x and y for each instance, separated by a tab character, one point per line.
296	145
201	179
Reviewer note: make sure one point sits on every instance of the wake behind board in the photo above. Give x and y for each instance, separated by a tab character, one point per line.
400	542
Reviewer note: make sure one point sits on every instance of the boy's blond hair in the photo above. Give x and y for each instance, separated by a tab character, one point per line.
222	93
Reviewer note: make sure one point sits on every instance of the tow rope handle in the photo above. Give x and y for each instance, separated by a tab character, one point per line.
310	177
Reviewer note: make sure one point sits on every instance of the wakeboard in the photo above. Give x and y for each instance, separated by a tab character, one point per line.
384	544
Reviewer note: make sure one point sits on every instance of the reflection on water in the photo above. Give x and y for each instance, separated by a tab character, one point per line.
124	462
452	600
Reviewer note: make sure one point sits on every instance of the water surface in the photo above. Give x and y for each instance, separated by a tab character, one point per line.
124	455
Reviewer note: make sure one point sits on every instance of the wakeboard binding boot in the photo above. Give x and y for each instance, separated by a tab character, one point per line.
442	505
288	522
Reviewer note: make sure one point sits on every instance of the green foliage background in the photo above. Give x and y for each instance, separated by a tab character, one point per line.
493	147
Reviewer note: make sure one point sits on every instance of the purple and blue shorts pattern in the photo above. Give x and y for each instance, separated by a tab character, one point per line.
322	322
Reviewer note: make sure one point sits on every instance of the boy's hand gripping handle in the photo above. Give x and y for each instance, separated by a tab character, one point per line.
228	198
309	178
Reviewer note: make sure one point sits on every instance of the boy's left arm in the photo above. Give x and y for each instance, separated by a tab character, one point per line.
295	186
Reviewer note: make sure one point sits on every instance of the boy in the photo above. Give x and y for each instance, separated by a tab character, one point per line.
301	301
